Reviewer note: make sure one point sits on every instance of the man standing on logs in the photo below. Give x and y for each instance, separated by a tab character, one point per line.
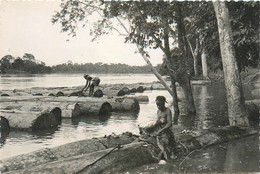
162	130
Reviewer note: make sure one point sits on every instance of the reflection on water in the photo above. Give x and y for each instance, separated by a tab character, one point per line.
210	101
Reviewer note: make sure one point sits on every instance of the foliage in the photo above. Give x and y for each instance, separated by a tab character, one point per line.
99	68
27	64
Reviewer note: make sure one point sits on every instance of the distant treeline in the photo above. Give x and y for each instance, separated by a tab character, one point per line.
99	68
28	64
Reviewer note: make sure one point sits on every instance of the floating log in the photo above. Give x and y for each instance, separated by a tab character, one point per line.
39	106
67	104
119	158
123	91
31	120
91	108
4	124
140	89
47	155
133	90
127	104
98	93
139	98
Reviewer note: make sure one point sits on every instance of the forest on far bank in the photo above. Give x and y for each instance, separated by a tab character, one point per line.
28	64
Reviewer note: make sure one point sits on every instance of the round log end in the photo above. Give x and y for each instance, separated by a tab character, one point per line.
57	113
76	111
5	95
4	124
44	121
140	89
131	104
123	91
105	109
60	94
98	93
133	90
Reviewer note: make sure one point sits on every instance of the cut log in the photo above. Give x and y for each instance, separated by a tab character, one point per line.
120	158
47	155
128	104
105	161
123	91
40	106
31	120
97	108
4	124
140	89
139	98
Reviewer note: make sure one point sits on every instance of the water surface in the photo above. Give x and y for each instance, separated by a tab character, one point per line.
237	156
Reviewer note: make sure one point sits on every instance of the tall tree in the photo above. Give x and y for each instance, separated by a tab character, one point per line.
236	107
150	25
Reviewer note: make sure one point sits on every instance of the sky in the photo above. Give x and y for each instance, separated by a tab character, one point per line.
25	27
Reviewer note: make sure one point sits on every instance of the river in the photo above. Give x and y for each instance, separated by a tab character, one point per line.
237	156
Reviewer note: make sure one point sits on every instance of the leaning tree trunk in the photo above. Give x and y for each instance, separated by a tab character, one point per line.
236	103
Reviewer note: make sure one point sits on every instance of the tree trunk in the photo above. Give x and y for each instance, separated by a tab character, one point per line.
236	104
204	64
175	102
184	79
195	56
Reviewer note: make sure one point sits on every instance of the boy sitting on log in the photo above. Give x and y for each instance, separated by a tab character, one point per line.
161	130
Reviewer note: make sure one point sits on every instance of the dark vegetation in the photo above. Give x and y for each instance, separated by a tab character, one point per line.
28	64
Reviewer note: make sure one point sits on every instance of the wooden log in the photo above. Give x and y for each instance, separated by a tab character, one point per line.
123	91
4	124
97	108
127	104
47	155
105	161
40	106
139	98
117	159
30	120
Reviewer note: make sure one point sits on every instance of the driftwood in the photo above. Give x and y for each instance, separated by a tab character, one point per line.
47	155
32	120
118	158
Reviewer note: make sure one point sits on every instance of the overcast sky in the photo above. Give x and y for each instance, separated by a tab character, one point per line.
25	27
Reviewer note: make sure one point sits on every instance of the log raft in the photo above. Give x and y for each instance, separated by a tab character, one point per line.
62	152
119	158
